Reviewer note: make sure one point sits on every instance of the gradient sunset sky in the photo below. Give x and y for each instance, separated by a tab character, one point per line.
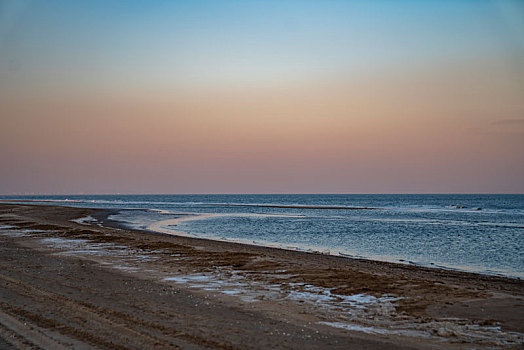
261	97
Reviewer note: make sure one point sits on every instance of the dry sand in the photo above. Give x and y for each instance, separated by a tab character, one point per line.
66	284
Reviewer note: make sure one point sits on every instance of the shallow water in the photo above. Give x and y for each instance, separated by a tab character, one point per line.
479	233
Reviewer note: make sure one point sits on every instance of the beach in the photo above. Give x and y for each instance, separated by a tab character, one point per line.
72	278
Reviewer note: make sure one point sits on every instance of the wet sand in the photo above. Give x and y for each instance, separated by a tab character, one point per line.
66	284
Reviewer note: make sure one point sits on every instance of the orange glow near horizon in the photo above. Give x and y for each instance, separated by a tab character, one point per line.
388	118
350	135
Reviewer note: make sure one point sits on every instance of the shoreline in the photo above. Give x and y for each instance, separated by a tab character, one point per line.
477	269
155	229
102	214
382	304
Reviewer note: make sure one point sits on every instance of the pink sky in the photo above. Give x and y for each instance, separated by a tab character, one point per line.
435	125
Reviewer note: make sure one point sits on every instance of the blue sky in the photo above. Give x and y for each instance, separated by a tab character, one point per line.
209	42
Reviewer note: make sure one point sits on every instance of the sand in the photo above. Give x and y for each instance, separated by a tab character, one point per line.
76	284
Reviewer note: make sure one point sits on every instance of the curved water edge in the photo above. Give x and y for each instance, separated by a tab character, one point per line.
475	233
173	227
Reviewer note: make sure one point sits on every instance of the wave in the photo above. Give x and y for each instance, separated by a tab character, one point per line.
165	203
292	206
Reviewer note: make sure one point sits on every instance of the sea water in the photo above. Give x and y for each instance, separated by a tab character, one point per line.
477	233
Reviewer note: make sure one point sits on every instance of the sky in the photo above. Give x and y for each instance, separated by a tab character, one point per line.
261	96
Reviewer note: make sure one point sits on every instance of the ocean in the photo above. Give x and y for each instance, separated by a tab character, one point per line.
475	233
